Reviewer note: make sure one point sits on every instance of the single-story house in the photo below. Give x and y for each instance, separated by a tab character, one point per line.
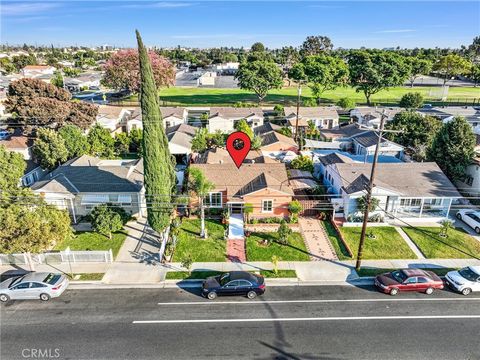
180	142
265	128
324	117
85	182
265	186
406	191
371	116
275	142
225	118
113	118
447	113
221	156
83	81
173	116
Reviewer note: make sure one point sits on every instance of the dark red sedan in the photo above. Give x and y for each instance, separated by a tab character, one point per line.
408	280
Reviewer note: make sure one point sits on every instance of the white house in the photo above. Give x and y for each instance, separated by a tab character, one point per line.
366	142
406	191
371	116
447	113
470	183
37	70
324	117
225	118
112	117
173	116
83	81
180	142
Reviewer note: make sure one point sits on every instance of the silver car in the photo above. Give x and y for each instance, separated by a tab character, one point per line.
35	285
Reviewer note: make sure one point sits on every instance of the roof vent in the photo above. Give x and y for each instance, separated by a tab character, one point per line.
253	161
221	161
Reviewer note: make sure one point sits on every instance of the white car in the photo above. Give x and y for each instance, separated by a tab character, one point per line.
34	285
471	218
465	280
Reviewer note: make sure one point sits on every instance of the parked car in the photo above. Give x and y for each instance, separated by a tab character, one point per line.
234	283
5	134
471	218
34	285
408	280
464	280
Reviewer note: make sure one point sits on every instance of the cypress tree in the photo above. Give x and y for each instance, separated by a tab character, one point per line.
159	172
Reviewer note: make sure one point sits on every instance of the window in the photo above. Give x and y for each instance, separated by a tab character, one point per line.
469	180
423	280
433	202
412	280
214	200
21	286
267	205
36	285
167	124
232	284
244	283
410	202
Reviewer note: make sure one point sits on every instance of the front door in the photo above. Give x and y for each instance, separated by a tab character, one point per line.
236	208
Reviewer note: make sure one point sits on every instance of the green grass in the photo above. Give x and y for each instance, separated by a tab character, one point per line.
458	244
388	243
202	250
337	244
93	241
90	276
200	275
364	272
205	96
294	251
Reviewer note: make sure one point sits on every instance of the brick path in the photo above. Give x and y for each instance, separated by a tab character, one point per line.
316	239
236	250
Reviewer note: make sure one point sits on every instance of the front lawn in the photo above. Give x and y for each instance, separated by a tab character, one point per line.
294	251
202	250
388	244
458	244
88	240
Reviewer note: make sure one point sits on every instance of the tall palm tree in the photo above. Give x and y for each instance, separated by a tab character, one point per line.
201	187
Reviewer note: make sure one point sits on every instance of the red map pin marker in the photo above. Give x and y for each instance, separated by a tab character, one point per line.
238	146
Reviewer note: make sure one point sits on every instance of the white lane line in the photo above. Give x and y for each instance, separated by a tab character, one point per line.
259	302
343	318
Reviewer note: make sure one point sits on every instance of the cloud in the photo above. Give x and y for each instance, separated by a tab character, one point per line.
26	8
394	31
159	5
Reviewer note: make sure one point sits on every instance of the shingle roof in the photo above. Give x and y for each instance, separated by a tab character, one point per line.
247	179
183	128
312	112
265	128
334	158
407	179
342	132
273	137
367	139
172	111
221	156
181	139
108	111
376	112
90	174
235	113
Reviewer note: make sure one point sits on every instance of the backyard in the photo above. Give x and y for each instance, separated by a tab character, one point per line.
202	250
386	244
458	244
294	251
89	240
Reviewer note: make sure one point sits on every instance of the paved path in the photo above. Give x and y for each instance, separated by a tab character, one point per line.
235	227
410	243
236	250
316	239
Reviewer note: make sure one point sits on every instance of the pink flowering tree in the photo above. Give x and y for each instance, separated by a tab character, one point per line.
122	70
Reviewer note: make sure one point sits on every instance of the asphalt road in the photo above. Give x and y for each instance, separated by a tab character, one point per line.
323	322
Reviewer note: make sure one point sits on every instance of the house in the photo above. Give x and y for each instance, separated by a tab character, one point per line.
225	118
265	128
302	182
221	156
275	142
89	80
470	183
324	117
85	182
265	186
446	114
23	145
370	116
37	70
113	118
406	191
173	116
133	120
180	142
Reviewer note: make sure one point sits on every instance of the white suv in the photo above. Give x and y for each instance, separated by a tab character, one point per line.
465	280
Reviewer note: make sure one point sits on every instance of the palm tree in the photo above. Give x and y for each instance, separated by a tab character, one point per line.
200	186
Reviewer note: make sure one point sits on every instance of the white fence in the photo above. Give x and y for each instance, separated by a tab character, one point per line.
60	257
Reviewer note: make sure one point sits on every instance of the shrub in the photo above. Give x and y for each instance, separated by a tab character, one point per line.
106	220
346	103
302	163
187	262
294	207
279	110
411	100
284	233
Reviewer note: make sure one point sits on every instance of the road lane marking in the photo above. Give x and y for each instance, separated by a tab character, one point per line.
343	318
259	302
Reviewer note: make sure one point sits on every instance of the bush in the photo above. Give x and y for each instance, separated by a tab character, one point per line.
294	207
284	233
279	110
411	100
346	103
105	220
302	163
310	102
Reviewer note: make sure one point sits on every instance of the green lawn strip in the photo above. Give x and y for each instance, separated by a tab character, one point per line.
200	275
388	243
89	276
211	249
294	251
365	272
337	244
89	240
458	244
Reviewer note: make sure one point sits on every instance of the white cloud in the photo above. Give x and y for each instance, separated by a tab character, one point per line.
394	31
26	8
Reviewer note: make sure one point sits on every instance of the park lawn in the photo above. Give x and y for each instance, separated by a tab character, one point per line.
388	243
294	251
288	95
202	250
458	244
89	240
337	244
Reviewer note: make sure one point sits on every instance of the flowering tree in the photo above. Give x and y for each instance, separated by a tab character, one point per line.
122	70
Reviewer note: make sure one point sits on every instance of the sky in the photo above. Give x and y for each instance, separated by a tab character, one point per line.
349	24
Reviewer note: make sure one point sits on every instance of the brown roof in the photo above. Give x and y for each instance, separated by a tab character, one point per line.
273	137
17	143
301	122
37	67
312	112
182	128
111	112
235	113
172	111
249	178
221	156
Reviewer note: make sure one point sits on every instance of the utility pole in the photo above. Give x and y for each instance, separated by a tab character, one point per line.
368	196
299	93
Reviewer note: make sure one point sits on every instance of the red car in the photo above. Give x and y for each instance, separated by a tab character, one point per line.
408	280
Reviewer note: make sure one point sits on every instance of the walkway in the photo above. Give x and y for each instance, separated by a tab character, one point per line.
235	227
410	243
236	239
316	239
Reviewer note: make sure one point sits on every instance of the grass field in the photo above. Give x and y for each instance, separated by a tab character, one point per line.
458	244
294	251
93	241
388	244
202	250
207	96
